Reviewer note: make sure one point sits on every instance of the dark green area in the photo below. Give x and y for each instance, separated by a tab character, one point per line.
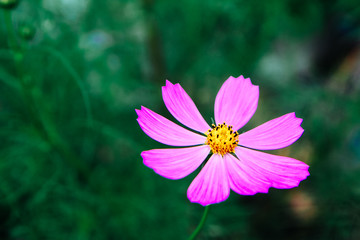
73	72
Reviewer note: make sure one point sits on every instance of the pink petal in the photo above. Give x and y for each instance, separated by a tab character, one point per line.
211	184
243	179
274	134
182	107
175	163
165	131
236	102
277	171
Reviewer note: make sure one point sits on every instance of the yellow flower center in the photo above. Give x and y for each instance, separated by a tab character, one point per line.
222	139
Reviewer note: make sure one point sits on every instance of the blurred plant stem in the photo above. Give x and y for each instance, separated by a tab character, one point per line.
33	99
56	54
154	44
201	224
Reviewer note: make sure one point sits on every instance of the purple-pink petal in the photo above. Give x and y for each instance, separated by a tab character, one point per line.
275	171
211	185
243	179
236	102
274	134
182	107
175	163
165	131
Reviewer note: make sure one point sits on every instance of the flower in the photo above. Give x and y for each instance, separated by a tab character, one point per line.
233	162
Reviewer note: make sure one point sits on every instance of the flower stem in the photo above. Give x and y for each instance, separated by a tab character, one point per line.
57	54
39	118
10	30
201	224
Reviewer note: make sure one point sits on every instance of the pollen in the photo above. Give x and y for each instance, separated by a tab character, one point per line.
222	139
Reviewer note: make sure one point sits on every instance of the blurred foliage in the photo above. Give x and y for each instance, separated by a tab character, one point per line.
72	73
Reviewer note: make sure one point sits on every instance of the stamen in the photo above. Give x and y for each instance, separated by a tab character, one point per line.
222	139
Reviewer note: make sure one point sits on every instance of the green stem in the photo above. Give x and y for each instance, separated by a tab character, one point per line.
56	54
11	34
40	120
201	224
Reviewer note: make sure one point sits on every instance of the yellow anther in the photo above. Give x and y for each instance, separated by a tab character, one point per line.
222	139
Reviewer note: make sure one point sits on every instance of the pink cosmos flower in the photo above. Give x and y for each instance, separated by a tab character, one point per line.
233	164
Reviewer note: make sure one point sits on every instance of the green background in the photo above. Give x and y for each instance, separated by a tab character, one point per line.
73	72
